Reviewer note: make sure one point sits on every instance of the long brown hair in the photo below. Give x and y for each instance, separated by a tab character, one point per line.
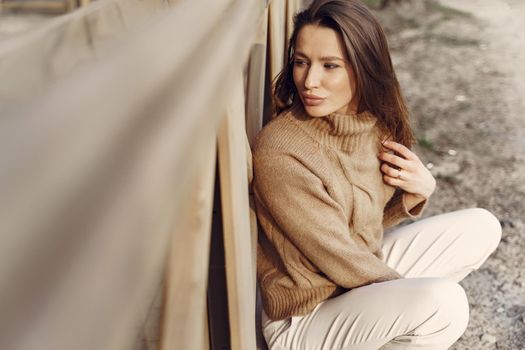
378	89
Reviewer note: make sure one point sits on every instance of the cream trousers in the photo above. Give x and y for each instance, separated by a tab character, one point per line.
427	309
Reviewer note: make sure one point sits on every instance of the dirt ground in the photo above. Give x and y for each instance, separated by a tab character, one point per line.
461	64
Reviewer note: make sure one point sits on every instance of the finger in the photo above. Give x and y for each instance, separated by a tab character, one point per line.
392	181
388	170
394	160
399	148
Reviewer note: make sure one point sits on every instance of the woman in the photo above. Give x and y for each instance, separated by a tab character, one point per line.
332	170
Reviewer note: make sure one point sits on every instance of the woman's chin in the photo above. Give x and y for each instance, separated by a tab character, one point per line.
316	111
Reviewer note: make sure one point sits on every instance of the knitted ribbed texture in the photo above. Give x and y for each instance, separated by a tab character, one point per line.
322	206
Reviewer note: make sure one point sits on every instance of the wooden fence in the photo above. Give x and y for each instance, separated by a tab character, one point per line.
111	118
41	6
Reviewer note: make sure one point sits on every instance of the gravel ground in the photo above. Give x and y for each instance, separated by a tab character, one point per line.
461	66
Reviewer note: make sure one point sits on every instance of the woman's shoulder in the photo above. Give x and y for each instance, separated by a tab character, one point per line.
274	132
281	134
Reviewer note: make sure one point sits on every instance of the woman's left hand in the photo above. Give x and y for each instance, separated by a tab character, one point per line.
408	173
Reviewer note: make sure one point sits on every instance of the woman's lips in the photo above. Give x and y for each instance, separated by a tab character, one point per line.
310	100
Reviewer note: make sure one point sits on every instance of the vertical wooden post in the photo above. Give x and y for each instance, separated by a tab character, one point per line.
236	222
70	5
292	6
254	113
185	317
281	13
205	329
277	36
256	80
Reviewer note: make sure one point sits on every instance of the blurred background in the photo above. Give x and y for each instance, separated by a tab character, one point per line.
125	125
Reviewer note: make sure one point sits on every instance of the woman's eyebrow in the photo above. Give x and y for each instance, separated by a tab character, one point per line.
324	58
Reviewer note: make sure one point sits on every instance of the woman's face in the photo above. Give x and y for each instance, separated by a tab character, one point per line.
322	74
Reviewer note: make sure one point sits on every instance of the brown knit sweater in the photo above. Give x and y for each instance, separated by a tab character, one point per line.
322	206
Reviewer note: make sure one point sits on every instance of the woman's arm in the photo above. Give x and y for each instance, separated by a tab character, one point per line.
294	206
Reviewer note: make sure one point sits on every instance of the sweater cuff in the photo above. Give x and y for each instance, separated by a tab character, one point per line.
397	210
416	211
394	275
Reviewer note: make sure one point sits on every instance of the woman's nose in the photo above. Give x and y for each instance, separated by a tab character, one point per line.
313	78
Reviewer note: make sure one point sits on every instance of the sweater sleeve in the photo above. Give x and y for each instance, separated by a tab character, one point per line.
302	210
396	210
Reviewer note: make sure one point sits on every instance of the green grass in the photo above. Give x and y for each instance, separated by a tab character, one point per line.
425	143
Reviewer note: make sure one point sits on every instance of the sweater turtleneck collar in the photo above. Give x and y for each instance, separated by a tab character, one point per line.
343	131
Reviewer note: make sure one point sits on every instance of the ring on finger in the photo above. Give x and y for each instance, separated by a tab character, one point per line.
399	173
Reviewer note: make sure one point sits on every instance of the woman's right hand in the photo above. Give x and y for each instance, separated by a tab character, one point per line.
405	170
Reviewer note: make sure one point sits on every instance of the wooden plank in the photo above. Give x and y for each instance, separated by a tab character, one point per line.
256	80
72	5
236	221
47	53
277	36
102	162
148	337
46	6
254	111
292	6
205	329
187	269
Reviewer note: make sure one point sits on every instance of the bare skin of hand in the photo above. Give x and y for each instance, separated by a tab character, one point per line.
405	170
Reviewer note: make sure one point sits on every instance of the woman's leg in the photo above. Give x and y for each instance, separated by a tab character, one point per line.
422	311
415	313
448	245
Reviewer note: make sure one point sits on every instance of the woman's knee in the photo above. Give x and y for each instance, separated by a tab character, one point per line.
454	297
486	227
437	309
449	300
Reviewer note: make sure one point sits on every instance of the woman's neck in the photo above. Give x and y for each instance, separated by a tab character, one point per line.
342	131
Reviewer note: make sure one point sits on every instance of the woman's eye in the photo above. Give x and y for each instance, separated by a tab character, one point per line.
330	66
299	62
